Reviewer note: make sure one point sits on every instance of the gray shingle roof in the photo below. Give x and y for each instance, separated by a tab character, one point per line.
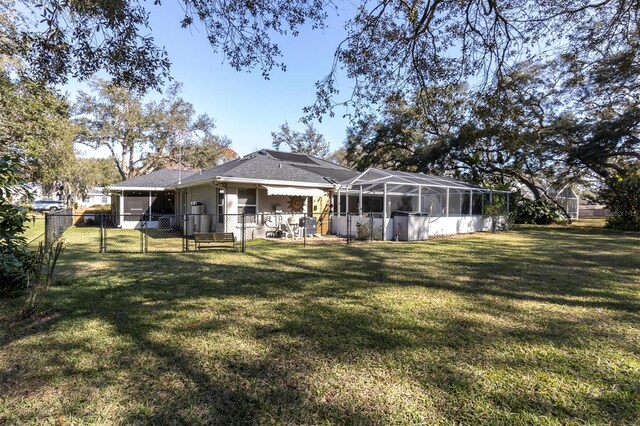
163	178
273	165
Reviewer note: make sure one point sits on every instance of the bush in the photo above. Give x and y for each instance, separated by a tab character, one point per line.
539	212
363	231
16	261
621	195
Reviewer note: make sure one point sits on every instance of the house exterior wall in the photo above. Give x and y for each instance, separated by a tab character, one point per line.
205	194
266	205
94	199
438	226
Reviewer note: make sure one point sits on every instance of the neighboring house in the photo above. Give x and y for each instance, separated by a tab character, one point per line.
95	196
566	197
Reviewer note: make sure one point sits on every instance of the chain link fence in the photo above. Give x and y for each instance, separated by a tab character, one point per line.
360	227
110	233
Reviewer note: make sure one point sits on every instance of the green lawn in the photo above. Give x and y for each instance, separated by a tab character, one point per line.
540	325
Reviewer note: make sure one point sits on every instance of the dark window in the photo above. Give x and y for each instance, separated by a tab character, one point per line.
162	203
246	196
247	203
136	204
476	207
372	204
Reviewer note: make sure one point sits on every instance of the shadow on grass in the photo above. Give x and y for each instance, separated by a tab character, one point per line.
225	338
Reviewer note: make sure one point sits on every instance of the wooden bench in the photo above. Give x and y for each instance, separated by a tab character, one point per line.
214	239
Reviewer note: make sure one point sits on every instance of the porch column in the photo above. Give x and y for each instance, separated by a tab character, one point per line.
384	213
419	198
470	202
447	205
121	212
338	202
360	201
149	216
346	193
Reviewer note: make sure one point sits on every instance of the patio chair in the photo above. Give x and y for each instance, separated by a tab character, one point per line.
289	230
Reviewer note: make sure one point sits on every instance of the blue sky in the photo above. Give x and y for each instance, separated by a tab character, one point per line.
245	106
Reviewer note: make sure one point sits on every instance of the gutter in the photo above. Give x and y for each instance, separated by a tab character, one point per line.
137	188
222	179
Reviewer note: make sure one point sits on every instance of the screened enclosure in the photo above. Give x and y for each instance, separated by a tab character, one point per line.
451	206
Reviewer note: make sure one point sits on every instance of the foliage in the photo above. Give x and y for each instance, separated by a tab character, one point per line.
36	127
621	195
40	277
496	208
338	157
309	142
539	211
389	45
364	231
143	137
15	258
553	123
89	173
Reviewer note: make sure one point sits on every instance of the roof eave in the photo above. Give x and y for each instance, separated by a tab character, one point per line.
139	188
225	179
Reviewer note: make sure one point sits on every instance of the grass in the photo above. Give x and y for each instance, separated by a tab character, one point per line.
536	326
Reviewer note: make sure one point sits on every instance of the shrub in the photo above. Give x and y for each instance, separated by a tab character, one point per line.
16	261
621	195
363	231
539	212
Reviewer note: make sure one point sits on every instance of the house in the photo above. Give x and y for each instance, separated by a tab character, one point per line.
262	190
270	192
95	196
565	197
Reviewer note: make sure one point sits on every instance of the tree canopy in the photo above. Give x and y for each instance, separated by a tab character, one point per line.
390	45
553	122
309	142
143	137
35	127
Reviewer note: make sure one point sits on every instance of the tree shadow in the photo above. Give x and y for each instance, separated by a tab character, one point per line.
222	338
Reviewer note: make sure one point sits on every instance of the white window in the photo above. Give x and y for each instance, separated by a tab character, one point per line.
247	203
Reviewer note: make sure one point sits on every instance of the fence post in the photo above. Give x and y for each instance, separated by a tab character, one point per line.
101	249
141	234
348	228
184	232
244	224
304	229
105	234
146	233
47	226
370	226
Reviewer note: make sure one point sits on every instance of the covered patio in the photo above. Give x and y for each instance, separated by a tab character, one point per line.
428	205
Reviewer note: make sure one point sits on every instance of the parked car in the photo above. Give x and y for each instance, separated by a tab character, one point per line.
47	205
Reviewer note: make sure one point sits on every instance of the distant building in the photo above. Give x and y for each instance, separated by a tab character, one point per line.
95	196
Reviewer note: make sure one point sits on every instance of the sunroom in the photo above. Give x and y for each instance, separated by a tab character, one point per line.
395	205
